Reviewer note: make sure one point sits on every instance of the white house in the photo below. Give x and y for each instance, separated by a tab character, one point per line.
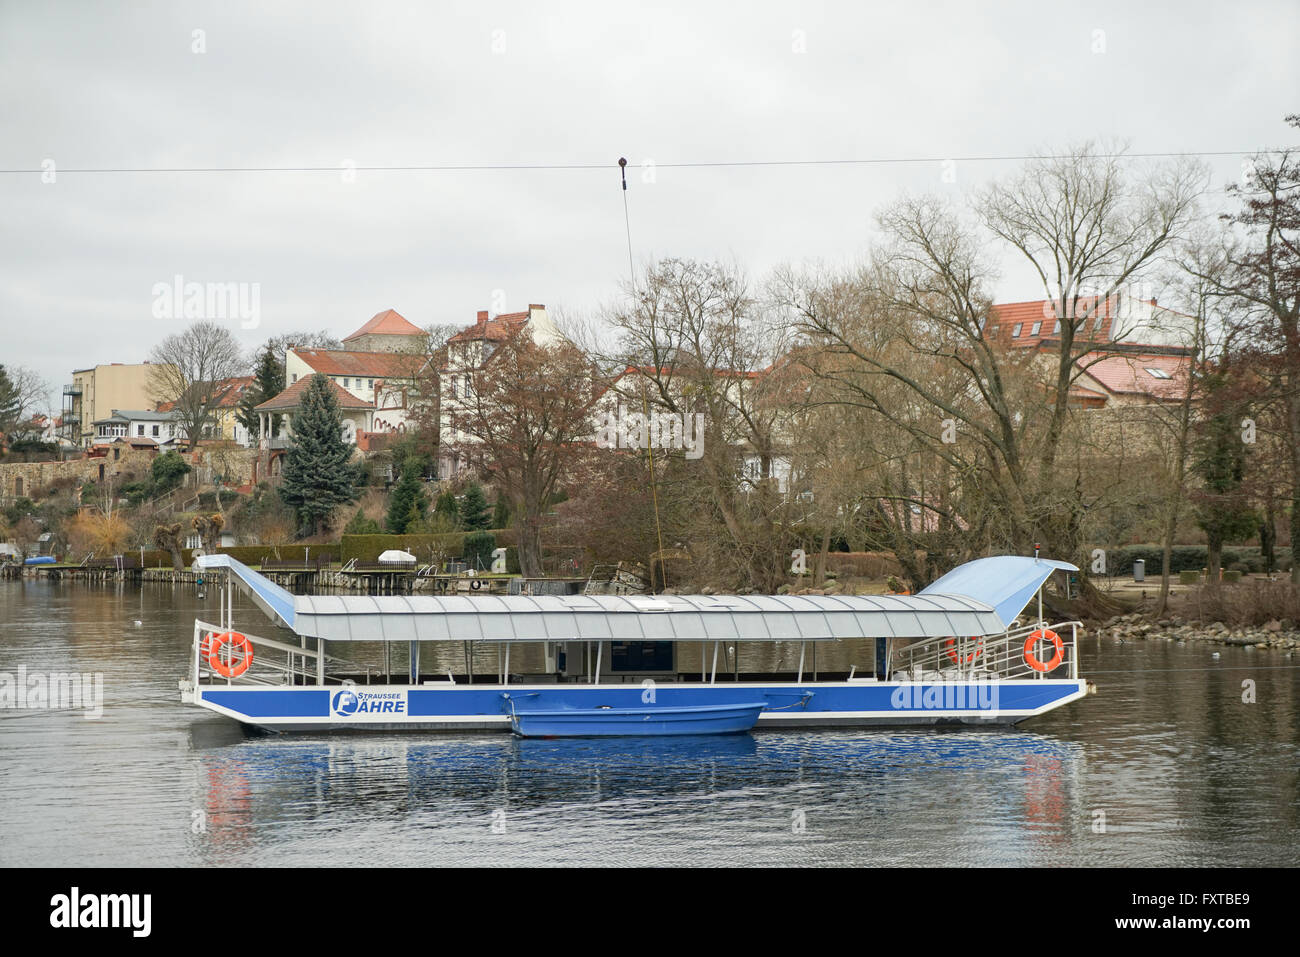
160	427
466	353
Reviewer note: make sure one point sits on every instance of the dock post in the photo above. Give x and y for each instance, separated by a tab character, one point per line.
320	661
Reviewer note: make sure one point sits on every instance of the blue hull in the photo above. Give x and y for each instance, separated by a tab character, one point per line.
637	722
788	705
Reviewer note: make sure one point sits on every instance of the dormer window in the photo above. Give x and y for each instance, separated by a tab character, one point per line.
1015	333
1036	329
1158	373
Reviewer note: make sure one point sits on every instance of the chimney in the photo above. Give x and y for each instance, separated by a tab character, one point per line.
482	316
535	305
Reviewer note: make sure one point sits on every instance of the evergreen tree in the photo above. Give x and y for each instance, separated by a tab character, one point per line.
318	475
362	525
474	515
407	500
478	549
501	513
1223	506
446	507
10	402
168	471
268	382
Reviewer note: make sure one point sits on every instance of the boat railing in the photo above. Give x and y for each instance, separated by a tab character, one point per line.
988	657
274	663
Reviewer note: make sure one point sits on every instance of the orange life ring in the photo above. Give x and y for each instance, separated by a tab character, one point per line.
1056	659
239	657
970	659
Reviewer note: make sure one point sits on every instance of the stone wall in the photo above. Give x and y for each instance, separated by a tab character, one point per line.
21	479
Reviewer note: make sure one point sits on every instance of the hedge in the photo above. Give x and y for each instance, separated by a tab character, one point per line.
367	548
257	554
451	545
1119	561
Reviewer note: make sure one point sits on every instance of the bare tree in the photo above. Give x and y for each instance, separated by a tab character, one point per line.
23	396
526	424
279	345
1198	259
188	369
1088	229
1265	276
694	340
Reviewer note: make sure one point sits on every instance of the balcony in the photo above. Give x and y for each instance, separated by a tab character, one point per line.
72	389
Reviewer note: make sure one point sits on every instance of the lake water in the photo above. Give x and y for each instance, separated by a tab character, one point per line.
1167	765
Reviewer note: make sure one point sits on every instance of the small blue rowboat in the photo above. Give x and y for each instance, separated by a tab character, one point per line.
650	721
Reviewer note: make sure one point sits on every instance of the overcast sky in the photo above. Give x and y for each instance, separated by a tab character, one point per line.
118	85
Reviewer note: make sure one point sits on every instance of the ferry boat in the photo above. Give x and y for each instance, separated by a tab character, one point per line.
962	652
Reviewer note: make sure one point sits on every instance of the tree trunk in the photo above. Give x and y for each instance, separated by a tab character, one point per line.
819	572
1268	536
1293	426
530	547
1214	560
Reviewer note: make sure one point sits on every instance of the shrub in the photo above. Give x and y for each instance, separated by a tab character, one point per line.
1246	604
478	548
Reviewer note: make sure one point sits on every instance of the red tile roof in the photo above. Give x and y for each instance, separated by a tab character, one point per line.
235	389
496	329
373	365
1008	315
291	397
387	323
1130	375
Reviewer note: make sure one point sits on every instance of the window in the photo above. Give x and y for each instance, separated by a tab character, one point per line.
155	431
1015	333
453	387
347	383
139	429
294	379
1158	373
1037	327
371	383
1056	329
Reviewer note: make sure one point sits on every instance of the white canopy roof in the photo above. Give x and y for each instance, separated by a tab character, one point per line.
656	618
634	618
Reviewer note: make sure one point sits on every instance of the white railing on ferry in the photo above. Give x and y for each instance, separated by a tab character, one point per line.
274	663
989	656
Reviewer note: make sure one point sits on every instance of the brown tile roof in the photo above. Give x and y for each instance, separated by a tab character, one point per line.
371	365
387	323
291	397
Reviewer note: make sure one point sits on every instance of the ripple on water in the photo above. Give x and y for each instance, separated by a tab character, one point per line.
1178	767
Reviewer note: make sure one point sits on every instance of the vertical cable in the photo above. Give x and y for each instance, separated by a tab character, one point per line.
645	402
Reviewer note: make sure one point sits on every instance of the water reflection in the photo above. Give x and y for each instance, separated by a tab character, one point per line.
1179	767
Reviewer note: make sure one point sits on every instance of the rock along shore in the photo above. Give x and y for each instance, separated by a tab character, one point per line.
1275	635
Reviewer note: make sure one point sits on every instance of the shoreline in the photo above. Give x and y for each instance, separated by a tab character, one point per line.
1272	636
